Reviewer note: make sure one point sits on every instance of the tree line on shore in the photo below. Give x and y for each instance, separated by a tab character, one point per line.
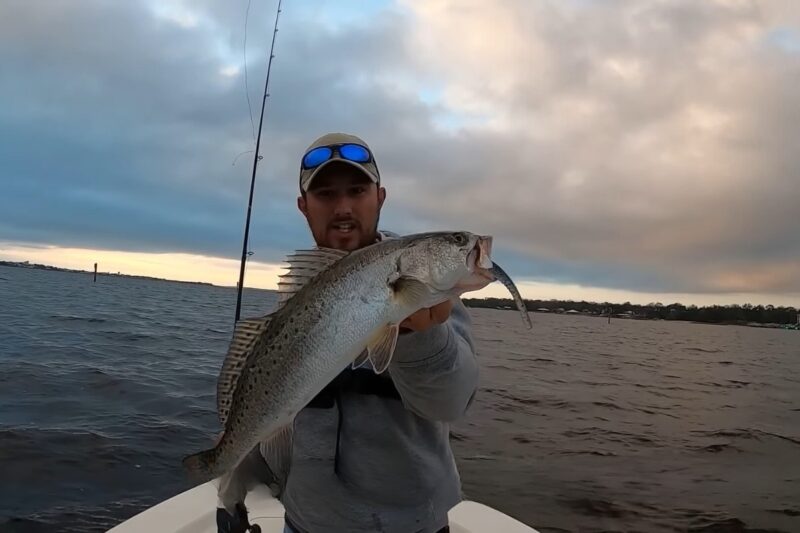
764	314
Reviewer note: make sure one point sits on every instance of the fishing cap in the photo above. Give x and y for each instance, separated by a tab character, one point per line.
334	140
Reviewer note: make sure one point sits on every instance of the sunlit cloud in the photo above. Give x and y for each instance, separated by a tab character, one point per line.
174	266
177	12
642	147
230	71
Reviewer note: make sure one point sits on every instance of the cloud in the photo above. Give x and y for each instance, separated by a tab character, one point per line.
639	146
653	136
129	119
173	266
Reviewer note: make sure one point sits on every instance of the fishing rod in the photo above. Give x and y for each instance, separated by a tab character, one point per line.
256	159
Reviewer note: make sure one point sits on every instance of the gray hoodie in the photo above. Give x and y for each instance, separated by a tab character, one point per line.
372	452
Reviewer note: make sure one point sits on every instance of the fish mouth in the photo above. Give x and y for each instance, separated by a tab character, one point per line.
479	258
479	264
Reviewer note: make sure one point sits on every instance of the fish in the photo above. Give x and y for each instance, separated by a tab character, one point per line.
335	309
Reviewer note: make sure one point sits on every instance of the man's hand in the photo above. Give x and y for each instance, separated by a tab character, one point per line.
428	317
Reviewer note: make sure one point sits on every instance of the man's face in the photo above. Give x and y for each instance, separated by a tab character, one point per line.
342	207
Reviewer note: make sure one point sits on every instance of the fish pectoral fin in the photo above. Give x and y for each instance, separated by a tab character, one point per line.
277	451
411	291
245	335
381	347
361	359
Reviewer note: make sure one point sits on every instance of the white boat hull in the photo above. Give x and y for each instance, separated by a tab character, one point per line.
194	511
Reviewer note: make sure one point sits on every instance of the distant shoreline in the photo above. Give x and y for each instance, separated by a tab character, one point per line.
37	266
728	315
745	315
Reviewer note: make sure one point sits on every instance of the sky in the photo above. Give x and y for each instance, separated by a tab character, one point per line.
617	150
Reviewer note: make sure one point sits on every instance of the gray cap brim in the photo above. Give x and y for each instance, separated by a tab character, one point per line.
306	180
369	168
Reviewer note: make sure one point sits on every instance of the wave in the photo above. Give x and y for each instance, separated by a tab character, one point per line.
598	453
703	350
729	525
787	512
595	432
610	405
598	508
76	318
717	448
749	434
76	518
729	384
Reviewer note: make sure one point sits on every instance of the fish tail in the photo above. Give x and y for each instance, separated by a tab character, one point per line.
202	465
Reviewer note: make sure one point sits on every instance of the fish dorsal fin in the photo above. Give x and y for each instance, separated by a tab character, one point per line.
245	335
304	265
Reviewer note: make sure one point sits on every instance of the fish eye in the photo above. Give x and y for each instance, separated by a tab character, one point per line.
460	239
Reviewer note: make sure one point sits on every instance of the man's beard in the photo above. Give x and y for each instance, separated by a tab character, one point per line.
366	239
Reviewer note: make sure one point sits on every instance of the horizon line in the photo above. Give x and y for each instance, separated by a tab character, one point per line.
31	265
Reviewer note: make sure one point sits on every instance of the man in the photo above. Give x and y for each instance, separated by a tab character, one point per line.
371	452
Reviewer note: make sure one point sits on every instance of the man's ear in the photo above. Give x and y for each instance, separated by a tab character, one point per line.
381	196
302	206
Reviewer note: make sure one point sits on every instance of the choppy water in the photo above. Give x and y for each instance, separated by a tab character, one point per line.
579	425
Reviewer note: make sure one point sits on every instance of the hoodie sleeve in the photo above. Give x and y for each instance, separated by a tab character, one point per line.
436	371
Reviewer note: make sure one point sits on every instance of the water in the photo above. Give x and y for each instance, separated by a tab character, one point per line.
579	425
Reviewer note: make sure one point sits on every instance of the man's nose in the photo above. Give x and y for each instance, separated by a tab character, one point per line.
344	206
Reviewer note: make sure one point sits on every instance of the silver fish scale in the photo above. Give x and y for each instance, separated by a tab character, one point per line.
292	354
318	332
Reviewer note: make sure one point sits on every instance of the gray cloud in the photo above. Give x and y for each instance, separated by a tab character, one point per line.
645	146
659	136
124	131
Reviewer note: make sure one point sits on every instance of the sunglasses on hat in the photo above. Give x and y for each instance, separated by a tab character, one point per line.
349	151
